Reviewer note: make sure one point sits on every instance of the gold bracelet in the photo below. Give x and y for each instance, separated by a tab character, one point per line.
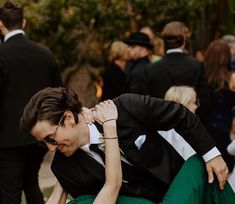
107	121
111	138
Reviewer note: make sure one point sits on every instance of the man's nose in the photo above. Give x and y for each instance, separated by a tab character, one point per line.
51	147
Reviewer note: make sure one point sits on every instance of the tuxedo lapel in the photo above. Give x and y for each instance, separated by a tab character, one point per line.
91	165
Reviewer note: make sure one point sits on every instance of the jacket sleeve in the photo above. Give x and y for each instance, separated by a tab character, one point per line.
203	91
157	114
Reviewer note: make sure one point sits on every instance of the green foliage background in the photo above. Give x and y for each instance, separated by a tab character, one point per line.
80	31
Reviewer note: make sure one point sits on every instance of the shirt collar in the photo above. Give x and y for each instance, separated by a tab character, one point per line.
176	50
12	33
94	137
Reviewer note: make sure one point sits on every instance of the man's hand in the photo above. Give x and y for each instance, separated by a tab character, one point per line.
219	167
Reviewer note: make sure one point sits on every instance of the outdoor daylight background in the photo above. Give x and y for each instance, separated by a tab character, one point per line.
79	32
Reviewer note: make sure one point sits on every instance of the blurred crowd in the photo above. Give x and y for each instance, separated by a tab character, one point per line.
148	64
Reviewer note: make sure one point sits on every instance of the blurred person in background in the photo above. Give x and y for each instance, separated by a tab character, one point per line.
230	40
25	68
114	78
139	46
222	96
185	95
176	68
158	47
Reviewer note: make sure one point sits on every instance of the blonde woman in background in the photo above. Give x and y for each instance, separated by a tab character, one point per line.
114	78
185	95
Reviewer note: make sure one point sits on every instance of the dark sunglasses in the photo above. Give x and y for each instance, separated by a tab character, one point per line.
49	139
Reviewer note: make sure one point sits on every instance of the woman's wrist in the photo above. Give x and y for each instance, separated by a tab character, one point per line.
109	121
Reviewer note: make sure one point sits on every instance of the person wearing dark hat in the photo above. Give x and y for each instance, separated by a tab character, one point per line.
138	51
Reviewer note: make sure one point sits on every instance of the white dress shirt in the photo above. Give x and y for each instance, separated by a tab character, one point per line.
12	33
175	50
96	138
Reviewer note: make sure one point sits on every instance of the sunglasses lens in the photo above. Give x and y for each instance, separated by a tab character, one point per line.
50	140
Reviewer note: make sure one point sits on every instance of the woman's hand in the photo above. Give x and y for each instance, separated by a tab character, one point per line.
105	111
87	114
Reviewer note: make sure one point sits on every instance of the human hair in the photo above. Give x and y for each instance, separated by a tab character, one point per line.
11	15
217	63
50	104
148	31
180	94
174	34
117	50
158	46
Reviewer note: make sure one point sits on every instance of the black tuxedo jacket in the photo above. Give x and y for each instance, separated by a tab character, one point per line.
156	161
178	69
135	74
25	68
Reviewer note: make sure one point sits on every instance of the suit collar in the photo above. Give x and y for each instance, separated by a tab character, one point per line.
94	135
176	50
13	33
175	54
99	127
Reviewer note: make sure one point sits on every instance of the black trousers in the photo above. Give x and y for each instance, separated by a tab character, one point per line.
19	172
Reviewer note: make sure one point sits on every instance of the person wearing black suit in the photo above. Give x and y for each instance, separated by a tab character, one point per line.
137	51
177	68
25	68
149	162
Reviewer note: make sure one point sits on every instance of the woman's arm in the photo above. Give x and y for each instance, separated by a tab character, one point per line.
58	195
106	114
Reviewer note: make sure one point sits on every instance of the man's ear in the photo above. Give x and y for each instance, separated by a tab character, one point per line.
69	118
3	28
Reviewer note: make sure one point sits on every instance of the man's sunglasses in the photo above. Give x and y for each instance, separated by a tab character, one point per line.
49	139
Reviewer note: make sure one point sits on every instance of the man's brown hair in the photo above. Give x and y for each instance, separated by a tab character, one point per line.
11	15
175	34
50	104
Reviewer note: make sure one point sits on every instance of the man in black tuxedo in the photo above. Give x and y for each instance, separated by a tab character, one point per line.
177	68
25	68
149	162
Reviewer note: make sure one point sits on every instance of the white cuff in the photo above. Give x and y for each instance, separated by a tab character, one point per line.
231	148
214	152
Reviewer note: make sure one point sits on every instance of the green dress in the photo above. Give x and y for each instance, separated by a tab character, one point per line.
189	186
89	199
